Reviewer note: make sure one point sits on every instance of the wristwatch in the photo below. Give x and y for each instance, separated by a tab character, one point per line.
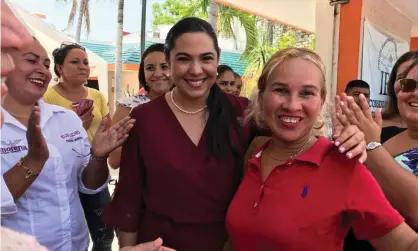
372	145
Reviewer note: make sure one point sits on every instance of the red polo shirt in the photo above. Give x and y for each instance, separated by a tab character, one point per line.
308	203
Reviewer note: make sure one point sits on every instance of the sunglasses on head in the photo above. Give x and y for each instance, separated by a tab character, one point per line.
408	84
72	44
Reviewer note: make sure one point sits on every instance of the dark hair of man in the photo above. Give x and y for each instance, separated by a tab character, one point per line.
356	83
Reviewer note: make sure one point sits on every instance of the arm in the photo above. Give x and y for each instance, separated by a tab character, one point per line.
127	239
120	113
402	238
105	141
96	172
373	218
16	180
124	210
399	185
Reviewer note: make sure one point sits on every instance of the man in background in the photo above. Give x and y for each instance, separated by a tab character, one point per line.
356	87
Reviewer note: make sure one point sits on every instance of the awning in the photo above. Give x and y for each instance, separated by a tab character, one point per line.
299	14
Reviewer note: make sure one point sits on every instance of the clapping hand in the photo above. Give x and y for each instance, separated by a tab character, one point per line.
348	137
87	117
109	138
156	245
38	149
361	117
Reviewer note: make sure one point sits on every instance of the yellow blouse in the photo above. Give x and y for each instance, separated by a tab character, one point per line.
100	108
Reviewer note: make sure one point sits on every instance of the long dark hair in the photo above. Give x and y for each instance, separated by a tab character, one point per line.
141	74
391	108
222	114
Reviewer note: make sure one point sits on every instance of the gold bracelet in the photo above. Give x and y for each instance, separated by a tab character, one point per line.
29	172
97	158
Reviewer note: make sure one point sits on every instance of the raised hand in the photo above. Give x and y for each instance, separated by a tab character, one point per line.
109	138
87	118
362	117
156	245
38	149
337	127
350	138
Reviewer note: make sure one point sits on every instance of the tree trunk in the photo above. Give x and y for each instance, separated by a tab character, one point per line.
80	20
213	14
119	45
270	33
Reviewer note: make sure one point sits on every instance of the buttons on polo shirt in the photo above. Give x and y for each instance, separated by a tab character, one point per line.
255	204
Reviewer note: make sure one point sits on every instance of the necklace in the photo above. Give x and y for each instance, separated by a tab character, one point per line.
299	152
18	116
182	110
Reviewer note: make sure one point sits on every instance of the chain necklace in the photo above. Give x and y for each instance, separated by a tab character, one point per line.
182	110
298	153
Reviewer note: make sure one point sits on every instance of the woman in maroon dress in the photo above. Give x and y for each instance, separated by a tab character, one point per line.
182	162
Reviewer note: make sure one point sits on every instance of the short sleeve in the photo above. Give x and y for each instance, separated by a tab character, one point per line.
124	209
8	205
104	108
370	213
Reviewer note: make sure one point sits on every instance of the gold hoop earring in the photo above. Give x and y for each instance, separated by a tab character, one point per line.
321	126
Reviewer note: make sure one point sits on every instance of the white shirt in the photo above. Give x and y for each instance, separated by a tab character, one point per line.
50	209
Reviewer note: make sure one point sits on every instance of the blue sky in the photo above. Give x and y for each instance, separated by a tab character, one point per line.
103	15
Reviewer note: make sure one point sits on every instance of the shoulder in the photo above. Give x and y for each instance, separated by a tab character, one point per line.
50	93
58	111
389	132
133	101
149	108
334	160
95	94
240	103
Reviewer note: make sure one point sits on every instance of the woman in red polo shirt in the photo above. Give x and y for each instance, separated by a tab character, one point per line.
300	192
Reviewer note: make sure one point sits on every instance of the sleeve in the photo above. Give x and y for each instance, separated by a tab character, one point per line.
85	151
125	208
370	213
8	205
104	108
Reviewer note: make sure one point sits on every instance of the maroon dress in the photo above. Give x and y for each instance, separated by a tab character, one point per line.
169	187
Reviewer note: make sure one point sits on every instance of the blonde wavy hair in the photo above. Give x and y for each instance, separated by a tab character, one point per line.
255	110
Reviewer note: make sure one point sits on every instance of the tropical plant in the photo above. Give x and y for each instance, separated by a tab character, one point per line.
84	14
220	17
171	11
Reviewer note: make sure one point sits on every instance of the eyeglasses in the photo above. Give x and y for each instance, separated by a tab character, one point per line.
408	84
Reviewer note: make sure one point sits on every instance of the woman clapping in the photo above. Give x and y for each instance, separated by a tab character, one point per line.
46	157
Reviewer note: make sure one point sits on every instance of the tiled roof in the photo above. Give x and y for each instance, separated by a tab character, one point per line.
131	54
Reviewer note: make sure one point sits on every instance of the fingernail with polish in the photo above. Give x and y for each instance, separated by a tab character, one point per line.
349	155
342	149
337	143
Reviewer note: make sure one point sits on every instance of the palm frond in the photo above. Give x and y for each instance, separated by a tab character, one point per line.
73	12
205	5
86	16
249	24
226	22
